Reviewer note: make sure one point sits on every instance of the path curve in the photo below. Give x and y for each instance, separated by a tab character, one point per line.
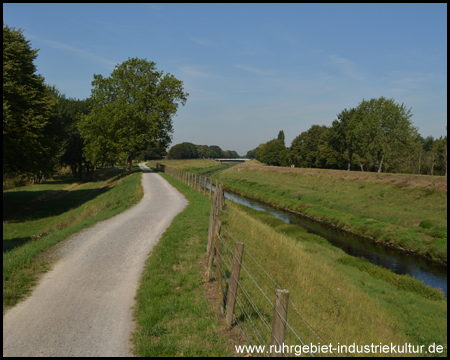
82	307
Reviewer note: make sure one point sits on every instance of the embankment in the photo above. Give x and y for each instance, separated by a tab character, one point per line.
406	212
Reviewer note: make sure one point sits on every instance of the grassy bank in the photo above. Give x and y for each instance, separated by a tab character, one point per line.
405	211
344	299
37	217
195	166
174	317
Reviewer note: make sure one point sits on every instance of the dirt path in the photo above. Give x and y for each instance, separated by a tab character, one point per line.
83	306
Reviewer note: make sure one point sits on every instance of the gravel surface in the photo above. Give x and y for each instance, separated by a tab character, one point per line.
82	307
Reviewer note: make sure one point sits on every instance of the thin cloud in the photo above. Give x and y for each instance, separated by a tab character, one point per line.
82	53
256	71
203	42
347	67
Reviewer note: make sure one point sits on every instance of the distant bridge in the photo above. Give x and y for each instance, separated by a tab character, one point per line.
231	160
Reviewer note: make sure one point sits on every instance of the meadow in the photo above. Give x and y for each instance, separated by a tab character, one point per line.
195	166
403	211
37	217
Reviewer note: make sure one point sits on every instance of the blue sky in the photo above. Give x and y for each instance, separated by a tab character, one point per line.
253	70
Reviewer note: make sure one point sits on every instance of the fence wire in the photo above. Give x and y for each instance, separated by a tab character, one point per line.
255	309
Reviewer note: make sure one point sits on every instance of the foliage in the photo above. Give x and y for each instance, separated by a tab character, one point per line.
191	151
29	124
270	152
132	109
305	147
70	111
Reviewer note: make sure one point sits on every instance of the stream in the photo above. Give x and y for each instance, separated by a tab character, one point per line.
430	273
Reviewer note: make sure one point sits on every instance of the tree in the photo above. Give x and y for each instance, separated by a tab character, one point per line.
305	147
250	154
28	109
70	111
380	127
341	135
132	109
281	137
270	152
179	151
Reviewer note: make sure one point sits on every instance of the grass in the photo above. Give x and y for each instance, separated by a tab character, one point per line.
173	315
37	217
387	208
344	299
196	166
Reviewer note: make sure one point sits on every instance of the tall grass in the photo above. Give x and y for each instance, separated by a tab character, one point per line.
386	211
40	216
194	165
345	300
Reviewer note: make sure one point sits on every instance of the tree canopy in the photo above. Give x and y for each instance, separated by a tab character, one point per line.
132	109
29	105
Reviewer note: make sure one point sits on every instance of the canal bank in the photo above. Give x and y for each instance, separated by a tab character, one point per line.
384	254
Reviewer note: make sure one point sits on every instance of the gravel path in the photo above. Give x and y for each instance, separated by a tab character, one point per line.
82	307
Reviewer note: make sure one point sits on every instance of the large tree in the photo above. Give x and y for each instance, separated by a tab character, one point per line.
28	109
381	128
132	109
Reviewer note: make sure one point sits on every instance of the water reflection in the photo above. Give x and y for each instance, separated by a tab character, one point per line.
430	273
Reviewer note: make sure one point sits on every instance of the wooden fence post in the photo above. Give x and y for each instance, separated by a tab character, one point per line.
219	274
279	321
212	249
204	186
210	187
234	281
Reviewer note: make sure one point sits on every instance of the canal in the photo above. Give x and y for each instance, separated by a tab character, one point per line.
430	273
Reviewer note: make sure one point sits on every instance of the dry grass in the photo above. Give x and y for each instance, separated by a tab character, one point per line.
325	295
191	164
398	180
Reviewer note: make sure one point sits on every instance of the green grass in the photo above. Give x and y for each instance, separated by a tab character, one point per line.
195	166
389	211
173	315
344	299
38	217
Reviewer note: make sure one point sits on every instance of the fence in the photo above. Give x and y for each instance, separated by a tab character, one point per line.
249	297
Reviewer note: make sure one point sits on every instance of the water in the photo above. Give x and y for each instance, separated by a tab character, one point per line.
430	273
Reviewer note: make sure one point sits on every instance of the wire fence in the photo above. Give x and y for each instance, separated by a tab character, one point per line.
249	295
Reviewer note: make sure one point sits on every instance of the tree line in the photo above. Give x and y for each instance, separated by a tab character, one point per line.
188	150
128	116
378	135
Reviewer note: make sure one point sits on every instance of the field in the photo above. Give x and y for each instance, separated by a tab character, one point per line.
195	166
404	211
37	217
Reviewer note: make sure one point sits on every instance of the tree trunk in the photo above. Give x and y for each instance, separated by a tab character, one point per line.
362	167
129	163
74	170
80	170
381	164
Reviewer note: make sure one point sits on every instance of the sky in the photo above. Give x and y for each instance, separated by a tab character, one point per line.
252	70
